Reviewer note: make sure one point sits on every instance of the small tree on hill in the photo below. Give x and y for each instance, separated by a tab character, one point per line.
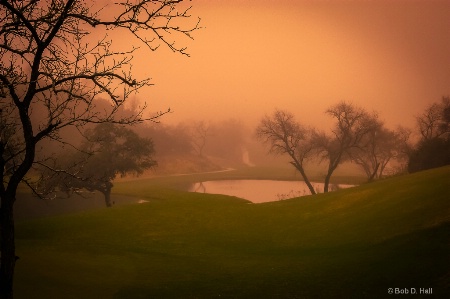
109	151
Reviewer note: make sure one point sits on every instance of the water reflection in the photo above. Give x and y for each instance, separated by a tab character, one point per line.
258	191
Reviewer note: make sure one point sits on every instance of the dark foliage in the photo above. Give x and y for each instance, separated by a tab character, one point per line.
430	153
109	151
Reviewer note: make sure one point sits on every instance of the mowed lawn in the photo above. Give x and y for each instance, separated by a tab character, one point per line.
354	243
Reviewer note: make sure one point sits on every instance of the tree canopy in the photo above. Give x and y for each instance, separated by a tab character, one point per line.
356	136
285	135
433	149
352	126
108	151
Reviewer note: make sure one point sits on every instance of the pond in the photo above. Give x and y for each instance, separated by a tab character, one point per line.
258	191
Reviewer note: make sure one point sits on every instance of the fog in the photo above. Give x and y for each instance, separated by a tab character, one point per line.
251	57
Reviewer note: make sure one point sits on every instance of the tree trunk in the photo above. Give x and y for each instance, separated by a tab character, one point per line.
333	164
8	251
382	167
374	173
310	186
331	169
107	198
107	193
305	177
327	181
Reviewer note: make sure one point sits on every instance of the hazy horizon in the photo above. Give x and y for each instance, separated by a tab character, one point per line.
251	57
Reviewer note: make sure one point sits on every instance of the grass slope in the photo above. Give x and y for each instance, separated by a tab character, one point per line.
353	243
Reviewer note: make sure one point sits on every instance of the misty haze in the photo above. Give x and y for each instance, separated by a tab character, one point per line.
232	149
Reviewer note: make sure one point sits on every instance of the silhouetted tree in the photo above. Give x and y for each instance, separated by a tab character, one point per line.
352	125
199	132
378	147
404	146
286	136
50	63
435	120
433	150
109	150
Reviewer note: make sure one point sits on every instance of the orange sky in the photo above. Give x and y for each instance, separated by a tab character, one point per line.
254	56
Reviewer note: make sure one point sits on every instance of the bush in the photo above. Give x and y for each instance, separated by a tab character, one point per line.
430	153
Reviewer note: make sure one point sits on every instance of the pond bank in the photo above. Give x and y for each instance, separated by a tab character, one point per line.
258	191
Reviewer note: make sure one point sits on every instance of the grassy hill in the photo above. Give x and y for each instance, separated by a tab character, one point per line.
353	243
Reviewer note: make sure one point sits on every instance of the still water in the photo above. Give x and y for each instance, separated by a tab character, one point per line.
258	191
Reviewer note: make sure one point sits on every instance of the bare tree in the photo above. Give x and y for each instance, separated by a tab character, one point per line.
433	150
49	64
352	124
405	148
434	122
377	149
286	136
199	136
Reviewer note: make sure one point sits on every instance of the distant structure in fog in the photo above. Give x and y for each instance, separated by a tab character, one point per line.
246	158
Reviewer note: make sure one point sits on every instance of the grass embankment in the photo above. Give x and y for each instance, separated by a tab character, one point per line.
353	243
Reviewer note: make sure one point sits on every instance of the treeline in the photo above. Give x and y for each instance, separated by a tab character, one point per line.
100	153
92	158
197	145
359	137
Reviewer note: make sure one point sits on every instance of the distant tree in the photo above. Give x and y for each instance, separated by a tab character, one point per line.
433	150
168	139
404	138
378	147
109	150
199	131
51	63
227	140
435	120
284	135
199	144
352	126
399	147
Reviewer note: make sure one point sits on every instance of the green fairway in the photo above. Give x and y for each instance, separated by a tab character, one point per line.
353	243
